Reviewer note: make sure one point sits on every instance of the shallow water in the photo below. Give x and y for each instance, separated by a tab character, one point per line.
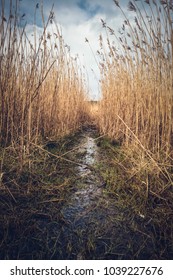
88	189
91	150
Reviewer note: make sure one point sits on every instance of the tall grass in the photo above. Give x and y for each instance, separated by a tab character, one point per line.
42	90
137	80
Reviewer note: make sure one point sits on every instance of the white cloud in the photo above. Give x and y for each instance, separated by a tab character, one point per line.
76	26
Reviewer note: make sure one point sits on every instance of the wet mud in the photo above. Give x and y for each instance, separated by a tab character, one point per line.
97	225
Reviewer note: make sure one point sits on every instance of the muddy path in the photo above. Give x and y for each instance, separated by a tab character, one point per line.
77	216
97	225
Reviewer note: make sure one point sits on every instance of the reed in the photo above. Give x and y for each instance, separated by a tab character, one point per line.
42	89
137	82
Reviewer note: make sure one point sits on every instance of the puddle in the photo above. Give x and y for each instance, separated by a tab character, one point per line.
90	148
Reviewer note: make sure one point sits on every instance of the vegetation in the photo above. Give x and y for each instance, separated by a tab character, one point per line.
137	80
87	179
143	215
42	102
41	86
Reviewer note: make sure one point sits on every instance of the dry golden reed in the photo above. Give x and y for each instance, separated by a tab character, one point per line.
137	78
41	86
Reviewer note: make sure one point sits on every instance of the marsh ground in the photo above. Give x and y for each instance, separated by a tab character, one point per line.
74	203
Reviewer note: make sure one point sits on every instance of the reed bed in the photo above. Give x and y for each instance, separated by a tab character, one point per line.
137	84
42	88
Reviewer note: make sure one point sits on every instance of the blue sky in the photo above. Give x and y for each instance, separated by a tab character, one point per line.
78	19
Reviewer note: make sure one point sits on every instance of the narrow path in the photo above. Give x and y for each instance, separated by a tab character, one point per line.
97	226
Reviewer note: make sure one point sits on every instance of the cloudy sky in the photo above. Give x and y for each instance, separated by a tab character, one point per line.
78	19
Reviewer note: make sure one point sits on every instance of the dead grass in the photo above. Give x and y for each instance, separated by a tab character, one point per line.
137	106
93	108
41	86
136	189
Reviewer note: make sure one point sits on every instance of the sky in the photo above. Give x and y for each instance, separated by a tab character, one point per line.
78	19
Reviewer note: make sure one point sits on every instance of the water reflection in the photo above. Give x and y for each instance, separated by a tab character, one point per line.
88	191
89	149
